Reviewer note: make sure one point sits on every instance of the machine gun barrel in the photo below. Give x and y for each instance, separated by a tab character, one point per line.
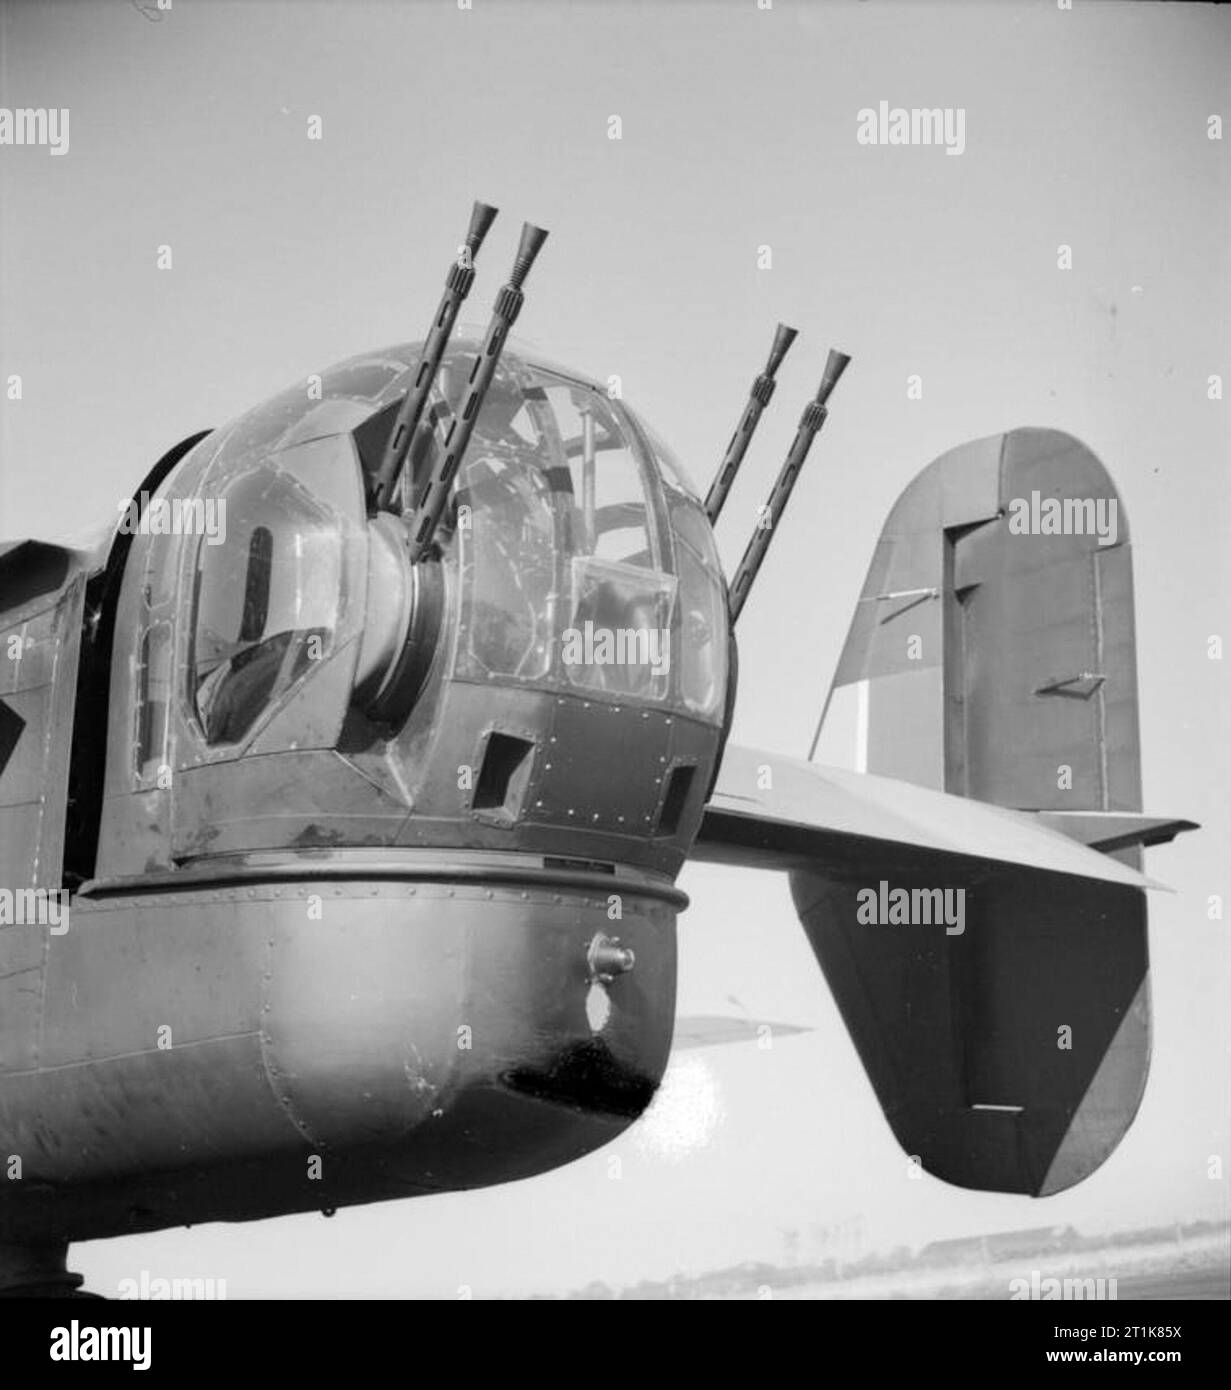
759	396
504	315
810	422
406	422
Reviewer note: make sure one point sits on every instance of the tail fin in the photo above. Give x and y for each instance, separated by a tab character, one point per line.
992	650
992	656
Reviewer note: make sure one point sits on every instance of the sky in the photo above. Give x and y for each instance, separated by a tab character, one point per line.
1086	128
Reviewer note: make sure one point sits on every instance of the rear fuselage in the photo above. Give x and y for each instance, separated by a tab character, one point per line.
371	864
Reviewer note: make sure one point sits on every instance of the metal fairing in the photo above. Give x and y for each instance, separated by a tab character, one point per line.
414	1033
312	933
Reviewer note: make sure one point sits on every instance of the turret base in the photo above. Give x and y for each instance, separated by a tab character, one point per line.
38	1271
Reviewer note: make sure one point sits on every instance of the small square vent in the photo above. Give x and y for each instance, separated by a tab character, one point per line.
504	776
679	784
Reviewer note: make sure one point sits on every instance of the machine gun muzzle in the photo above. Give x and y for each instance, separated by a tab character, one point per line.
406	422
810	422
759	396
508	305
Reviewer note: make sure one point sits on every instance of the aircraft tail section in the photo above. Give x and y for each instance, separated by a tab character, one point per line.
992	656
992	651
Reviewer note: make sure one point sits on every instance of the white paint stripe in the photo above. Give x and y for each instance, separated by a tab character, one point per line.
861	726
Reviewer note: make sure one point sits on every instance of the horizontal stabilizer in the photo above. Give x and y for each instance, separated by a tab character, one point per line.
29	569
979	918
773	812
709	1030
1115	830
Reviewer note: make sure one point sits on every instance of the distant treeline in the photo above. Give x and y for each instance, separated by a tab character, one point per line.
966	1252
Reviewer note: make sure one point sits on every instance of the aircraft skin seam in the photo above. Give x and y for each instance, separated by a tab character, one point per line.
272	1073
122	1056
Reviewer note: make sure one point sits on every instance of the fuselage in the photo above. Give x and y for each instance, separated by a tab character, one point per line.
372	864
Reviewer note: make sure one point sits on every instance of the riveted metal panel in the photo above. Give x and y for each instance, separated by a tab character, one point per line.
169	962
35	773
21	991
327	1018
605	768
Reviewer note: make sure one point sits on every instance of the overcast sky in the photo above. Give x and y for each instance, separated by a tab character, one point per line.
1085	127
